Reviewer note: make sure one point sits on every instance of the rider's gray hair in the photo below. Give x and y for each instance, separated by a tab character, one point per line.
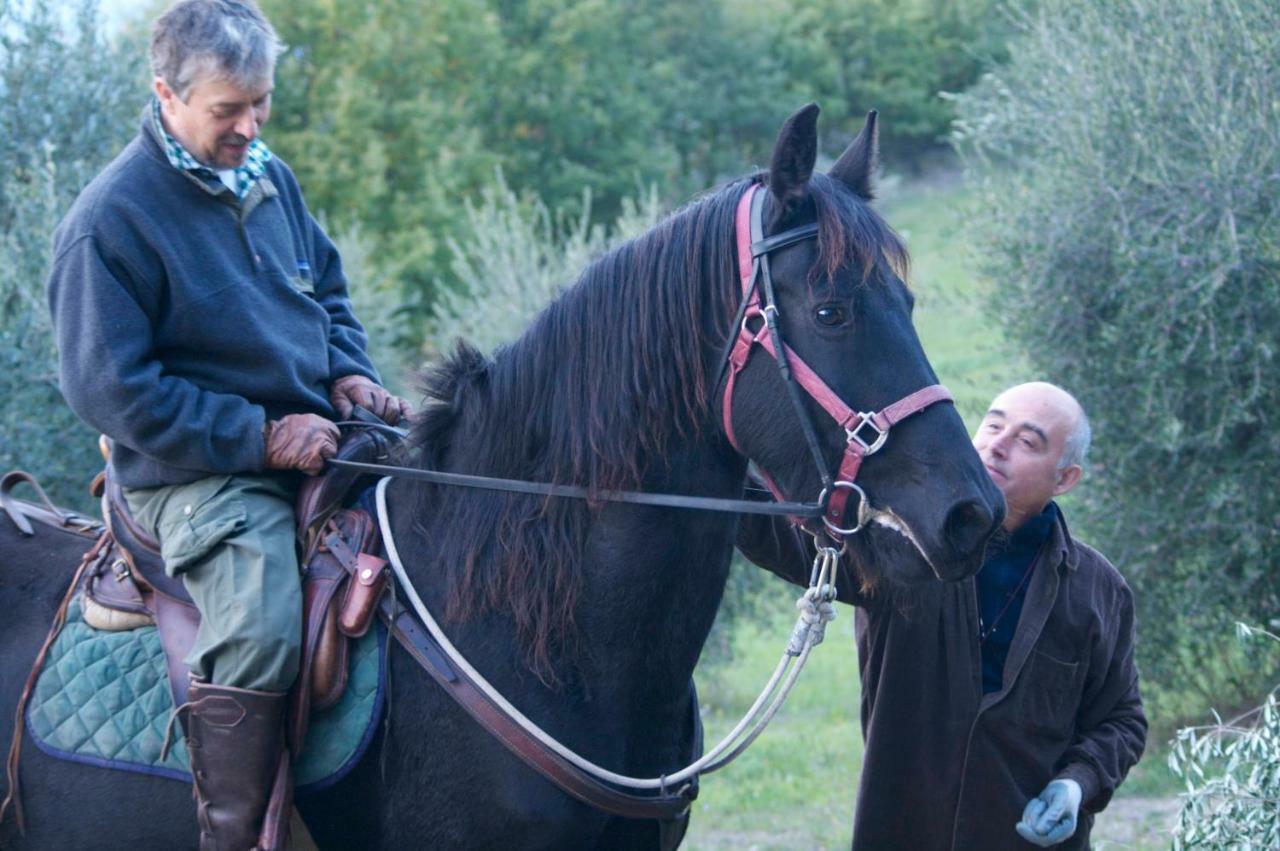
1076	447
227	39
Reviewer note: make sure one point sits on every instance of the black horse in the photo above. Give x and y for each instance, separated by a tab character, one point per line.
589	616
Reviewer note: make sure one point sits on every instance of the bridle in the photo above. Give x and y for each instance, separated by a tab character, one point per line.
866	432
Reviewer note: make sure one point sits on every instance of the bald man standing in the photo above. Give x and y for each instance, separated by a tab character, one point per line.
1002	711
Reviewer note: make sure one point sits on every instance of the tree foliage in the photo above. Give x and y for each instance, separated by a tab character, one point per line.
68	102
893	56
515	257
1232	775
393	112
1129	159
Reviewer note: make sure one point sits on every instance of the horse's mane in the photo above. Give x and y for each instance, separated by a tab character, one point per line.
591	394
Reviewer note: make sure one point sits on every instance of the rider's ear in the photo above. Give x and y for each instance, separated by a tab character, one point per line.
793	159
856	167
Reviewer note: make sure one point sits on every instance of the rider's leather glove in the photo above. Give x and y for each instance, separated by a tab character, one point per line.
351	390
1050	817
300	442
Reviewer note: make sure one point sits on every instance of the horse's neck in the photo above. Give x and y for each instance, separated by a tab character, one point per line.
659	574
653	577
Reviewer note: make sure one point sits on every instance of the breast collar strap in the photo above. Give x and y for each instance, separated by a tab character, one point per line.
866	431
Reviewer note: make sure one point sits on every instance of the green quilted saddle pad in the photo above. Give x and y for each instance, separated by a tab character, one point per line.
103	699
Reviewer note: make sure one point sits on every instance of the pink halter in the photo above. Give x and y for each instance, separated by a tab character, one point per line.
866	431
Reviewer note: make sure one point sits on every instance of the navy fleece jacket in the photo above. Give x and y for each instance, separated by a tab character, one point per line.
185	318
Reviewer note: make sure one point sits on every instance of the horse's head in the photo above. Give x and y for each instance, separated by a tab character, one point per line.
844	310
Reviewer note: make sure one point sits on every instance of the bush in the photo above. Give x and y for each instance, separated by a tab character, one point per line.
516	256
1232	774
382	310
69	100
1128	161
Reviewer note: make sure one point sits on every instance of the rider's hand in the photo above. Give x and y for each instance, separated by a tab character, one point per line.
300	442
1050	817
351	390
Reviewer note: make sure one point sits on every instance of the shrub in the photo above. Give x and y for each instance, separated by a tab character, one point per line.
516	255
381	308
1232	774
1128	164
69	99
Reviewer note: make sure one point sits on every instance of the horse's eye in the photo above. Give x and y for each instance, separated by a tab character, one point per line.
830	315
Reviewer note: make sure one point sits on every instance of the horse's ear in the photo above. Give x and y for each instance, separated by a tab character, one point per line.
856	167
794	156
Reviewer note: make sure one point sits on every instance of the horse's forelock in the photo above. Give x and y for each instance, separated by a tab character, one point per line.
851	231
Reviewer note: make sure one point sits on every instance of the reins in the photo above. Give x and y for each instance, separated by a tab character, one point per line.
667	500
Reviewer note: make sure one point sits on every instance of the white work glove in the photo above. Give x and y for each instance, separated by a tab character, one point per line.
1050	817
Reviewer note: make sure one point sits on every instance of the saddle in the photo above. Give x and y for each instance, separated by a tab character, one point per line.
125	585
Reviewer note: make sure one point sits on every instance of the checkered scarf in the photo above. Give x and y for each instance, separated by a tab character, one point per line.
255	161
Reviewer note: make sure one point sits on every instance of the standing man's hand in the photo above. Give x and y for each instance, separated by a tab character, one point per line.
300	442
1050	817
351	390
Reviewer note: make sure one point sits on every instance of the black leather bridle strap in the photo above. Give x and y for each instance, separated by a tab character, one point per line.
662	500
760	248
779	241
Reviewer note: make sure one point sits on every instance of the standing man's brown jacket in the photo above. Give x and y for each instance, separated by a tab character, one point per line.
944	767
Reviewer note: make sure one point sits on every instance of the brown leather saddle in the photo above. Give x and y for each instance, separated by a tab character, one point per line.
343	577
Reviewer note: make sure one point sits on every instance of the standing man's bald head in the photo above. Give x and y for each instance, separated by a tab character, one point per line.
1033	441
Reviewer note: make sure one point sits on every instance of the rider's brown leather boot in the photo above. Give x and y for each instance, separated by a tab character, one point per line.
235	738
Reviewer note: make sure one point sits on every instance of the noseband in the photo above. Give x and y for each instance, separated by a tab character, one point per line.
866	432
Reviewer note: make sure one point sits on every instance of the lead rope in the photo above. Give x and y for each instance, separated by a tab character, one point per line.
815	612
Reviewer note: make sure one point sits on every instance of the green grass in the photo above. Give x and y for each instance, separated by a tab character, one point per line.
795	787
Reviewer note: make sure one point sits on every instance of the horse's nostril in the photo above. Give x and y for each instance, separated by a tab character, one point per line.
968	526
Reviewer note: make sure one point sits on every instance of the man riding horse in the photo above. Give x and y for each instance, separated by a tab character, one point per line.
203	325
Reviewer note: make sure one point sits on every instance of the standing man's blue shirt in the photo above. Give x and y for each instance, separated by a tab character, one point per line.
1002	588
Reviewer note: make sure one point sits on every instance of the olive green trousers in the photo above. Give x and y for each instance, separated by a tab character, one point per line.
231	540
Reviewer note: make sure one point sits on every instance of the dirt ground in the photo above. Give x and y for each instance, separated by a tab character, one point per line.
1128	824
1142	824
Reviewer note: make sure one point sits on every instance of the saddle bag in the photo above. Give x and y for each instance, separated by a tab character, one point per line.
343	555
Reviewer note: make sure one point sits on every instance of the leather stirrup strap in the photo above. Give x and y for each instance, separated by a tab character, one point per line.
276	821
10	507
